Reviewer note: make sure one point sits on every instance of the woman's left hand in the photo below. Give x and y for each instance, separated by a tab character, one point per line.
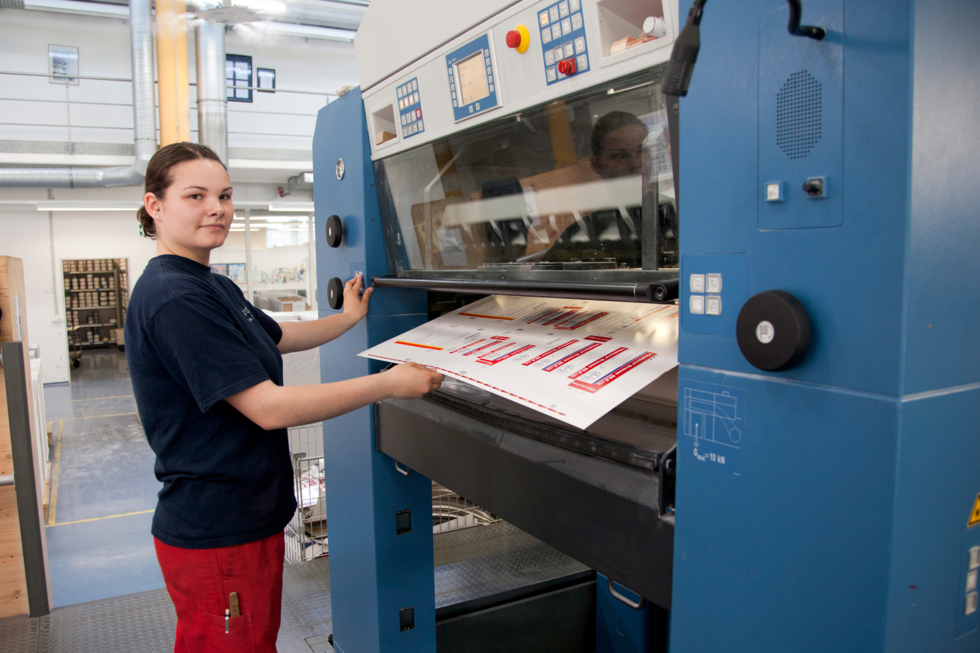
356	304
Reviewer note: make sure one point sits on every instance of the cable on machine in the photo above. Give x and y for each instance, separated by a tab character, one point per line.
685	52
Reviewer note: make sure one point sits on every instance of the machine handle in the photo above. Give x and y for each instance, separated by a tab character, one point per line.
335	231
403	471
6	479
335	293
610	292
636	605
773	331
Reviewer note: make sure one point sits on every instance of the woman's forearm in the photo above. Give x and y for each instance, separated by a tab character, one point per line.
275	407
300	336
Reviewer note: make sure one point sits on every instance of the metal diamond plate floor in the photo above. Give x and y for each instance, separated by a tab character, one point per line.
469	564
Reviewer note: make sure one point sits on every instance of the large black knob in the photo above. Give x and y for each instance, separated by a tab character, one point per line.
773	331
335	231
335	294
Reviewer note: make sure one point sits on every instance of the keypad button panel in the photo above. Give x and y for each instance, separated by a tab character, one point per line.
562	30
409	108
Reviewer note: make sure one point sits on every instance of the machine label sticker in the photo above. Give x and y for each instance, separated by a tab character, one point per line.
967	604
713	419
975	513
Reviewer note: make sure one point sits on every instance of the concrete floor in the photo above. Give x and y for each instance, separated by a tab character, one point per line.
103	489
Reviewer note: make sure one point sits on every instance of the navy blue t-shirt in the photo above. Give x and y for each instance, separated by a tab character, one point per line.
191	341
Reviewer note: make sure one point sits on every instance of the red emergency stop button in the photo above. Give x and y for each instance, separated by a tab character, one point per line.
567	67
518	39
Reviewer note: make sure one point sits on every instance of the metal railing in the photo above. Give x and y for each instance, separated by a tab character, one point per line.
68	102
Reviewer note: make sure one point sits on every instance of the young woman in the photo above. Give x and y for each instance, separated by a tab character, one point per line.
206	368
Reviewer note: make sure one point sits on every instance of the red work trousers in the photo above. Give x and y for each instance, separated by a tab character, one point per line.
200	581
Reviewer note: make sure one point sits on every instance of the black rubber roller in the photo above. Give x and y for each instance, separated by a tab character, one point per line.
662	291
773	331
335	294
335	231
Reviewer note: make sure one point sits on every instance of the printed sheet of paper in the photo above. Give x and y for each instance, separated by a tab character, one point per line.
573	360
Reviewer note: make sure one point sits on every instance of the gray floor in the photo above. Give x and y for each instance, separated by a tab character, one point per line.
106	584
103	488
469	564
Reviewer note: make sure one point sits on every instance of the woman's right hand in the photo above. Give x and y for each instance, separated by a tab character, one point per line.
411	381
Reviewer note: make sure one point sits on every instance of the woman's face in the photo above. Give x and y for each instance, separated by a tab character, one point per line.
196	211
622	152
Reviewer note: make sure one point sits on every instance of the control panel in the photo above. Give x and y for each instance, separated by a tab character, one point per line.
410	108
563	40
471	79
529	54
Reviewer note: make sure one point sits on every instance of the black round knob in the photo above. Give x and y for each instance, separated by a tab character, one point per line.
335	231
773	331
813	187
335	293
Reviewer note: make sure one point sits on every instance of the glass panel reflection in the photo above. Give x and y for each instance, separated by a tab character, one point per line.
581	183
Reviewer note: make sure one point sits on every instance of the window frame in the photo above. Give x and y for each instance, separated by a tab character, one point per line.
230	83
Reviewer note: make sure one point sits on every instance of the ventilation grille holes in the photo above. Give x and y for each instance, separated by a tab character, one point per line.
799	114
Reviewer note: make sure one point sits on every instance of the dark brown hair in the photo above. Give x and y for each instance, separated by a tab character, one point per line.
158	177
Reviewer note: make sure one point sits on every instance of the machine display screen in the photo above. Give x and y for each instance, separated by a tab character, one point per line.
472	77
589	188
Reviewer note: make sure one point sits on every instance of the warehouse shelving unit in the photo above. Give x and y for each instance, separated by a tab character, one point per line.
96	298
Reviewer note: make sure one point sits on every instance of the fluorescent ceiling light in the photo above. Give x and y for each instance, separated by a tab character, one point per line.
306	31
82	8
225	15
267	6
304	207
85	206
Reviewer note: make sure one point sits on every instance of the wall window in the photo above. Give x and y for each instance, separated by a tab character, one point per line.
267	79
238	75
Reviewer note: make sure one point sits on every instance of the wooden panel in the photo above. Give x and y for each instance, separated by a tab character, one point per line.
13	581
6	455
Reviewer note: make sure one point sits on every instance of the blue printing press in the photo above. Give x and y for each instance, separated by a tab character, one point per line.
822	499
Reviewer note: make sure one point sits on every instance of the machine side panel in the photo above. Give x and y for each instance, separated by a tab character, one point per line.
790	551
943	291
935	496
377	569
848	276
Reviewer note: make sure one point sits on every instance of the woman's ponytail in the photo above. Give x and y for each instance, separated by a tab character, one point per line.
146	222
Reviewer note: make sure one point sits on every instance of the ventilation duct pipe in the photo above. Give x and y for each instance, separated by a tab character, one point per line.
144	125
212	95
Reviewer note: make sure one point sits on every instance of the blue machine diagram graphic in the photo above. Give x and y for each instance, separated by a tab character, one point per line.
714	417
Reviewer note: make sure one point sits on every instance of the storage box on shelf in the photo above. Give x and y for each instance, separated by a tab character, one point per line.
96	298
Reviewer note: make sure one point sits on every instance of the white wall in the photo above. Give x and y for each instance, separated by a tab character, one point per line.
103	51
325	67
81	235
31	108
25	234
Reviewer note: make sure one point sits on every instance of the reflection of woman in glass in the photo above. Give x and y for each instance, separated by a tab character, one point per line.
620	149
617	145
606	235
